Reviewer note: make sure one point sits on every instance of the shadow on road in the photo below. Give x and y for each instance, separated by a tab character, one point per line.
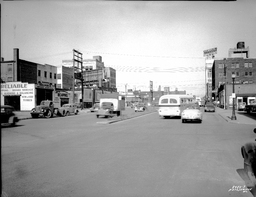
251	115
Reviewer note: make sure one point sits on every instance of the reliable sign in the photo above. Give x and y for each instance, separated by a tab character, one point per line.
210	52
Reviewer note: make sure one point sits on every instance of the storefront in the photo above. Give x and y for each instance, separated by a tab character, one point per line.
19	95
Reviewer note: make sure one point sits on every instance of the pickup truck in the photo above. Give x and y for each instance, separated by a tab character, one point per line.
45	109
251	107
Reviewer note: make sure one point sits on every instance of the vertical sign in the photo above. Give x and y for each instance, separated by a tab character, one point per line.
151	89
151	85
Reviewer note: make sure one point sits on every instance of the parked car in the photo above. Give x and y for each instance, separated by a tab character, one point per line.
68	109
209	107
8	116
139	108
241	106
192	113
95	107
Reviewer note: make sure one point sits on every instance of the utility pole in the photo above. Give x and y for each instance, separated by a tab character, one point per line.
78	72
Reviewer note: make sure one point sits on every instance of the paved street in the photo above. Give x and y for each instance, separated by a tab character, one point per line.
142	156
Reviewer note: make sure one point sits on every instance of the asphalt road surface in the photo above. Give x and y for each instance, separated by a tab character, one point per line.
145	156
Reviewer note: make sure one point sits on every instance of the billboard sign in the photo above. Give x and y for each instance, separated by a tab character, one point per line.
210	52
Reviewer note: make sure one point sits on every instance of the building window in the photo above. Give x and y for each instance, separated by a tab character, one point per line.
45	74
9	68
221	66
221	74
233	65
246	65
237	74
246	74
237	65
39	73
9	79
250	73
50	75
59	76
55	75
250	65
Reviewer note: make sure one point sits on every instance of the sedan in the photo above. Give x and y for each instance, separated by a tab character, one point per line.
209	107
191	113
8	117
139	108
67	109
95	107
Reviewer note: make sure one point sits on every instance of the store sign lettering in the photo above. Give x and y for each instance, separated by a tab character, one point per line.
19	85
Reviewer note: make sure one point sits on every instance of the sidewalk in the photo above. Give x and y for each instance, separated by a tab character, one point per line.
241	117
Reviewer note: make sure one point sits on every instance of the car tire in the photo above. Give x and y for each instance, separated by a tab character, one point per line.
67	113
183	120
97	116
76	112
48	114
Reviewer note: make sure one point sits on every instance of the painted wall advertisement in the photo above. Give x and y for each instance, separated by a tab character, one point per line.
25	91
87	95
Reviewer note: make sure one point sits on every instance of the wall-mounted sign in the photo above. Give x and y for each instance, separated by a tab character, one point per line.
24	90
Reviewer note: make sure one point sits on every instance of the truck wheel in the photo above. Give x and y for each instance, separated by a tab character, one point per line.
48	114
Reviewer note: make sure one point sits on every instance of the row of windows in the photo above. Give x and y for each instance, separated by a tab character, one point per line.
246	74
236	65
45	74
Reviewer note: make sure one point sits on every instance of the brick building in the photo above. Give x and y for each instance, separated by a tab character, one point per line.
19	72
245	80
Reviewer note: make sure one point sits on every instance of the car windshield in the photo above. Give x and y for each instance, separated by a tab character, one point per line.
66	105
209	105
193	107
45	102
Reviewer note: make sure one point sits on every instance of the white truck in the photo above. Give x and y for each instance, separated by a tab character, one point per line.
111	104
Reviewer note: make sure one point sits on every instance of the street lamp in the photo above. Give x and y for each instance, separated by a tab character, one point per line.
233	117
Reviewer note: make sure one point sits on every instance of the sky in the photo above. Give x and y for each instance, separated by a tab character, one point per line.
159	41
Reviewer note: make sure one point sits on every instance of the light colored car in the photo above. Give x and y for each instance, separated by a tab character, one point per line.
139	108
192	113
106	110
95	107
68	109
209	107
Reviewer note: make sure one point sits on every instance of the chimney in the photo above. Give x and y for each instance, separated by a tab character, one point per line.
15	64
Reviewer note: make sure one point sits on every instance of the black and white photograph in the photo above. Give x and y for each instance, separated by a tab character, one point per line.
128	98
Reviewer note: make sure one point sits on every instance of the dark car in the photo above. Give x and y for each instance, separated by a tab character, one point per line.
8	116
209	107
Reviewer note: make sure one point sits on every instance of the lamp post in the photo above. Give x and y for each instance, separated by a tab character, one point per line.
233	117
